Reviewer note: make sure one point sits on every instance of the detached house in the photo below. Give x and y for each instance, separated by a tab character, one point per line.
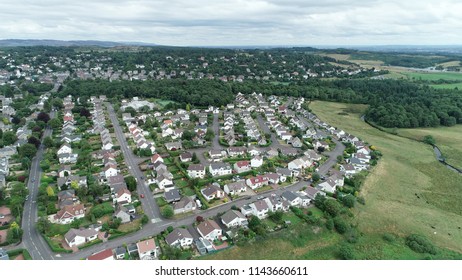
242	166
185	205
65	149
179	237
234	218
210	230
256	162
77	237
147	249
69	213
220	169
196	171
260	209
213	191
257	182
235	187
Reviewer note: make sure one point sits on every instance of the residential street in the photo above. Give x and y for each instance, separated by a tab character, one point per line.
149	205
32	240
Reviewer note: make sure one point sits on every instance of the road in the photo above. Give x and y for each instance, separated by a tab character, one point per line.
149	204
32	240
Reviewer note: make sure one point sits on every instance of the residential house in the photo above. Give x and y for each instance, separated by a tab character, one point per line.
196	171
220	169
173	146
235	187
77	237
156	158
67	198
233	218
236	151
213	191
122	196
64	171
106	255
186	157
292	198
123	214
185	205
328	185
242	166
256	162
257	182
65	149
296	143
260	209
210	230
147	249
179	237
172	195
69	213
313	192
120	252
67	158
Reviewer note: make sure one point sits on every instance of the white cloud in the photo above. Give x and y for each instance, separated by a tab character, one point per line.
237	22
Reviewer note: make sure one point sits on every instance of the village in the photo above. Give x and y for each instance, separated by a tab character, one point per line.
255	158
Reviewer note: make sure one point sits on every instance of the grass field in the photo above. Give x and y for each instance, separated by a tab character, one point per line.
434	76
406	169
448	140
448	86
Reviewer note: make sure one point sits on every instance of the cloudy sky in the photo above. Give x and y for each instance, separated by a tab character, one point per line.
236	22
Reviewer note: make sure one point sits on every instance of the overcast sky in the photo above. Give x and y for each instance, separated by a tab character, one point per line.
236	22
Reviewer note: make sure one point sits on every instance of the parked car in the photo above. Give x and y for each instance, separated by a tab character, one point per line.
142	195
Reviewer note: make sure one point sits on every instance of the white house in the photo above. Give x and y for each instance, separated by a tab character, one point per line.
65	149
147	249
179	237
210	230
220	169
256	162
196	171
235	187
77	237
233	218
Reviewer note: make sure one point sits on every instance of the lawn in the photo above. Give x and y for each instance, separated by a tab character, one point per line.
448	139
408	170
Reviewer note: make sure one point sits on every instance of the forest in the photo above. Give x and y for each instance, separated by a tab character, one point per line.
393	103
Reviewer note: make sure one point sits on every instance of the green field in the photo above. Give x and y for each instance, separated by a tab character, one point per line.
434	76
406	169
448	139
448	86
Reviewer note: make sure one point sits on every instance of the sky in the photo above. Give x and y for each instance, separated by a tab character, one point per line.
237	22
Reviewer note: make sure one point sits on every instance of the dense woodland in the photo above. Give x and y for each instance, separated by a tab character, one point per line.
393	103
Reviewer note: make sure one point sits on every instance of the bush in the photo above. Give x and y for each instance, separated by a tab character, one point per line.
330	224
340	225
167	211
420	244
389	237
346	253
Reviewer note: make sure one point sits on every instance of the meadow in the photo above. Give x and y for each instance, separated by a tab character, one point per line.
408	191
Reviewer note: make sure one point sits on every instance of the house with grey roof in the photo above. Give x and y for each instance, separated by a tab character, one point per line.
179	237
234	218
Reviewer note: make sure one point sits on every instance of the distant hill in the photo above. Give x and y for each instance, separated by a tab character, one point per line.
59	43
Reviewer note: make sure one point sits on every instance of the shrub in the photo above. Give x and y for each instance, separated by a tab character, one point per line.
420	244
340	225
